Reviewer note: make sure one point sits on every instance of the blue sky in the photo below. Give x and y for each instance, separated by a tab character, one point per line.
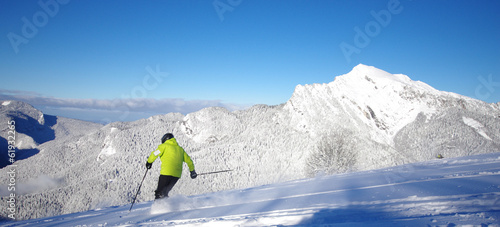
94	59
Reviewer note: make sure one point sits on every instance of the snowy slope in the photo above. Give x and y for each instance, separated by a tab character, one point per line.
385	119
447	192
33	129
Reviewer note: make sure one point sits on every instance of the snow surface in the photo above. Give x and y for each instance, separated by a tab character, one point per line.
108	148
446	192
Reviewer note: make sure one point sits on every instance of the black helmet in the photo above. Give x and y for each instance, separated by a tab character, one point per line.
167	137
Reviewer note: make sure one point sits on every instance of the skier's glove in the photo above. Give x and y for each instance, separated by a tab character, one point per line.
148	165
193	174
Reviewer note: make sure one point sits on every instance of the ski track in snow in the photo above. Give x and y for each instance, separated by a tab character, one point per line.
459	191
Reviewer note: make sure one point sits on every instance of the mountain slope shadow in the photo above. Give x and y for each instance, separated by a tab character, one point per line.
4	156
32	128
349	216
40	133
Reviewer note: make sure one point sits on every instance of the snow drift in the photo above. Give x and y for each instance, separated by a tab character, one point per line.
448	192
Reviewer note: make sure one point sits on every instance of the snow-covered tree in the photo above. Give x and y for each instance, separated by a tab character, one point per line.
335	153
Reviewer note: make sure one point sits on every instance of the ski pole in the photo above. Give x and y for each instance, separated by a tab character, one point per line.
221	171
138	190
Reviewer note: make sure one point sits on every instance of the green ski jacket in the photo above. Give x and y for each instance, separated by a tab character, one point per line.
172	157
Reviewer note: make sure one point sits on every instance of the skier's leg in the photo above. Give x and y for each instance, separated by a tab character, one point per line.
162	183
169	185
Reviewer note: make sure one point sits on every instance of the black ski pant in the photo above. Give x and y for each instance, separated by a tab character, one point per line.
165	184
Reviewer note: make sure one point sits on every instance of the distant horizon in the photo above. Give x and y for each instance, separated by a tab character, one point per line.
83	59
107	111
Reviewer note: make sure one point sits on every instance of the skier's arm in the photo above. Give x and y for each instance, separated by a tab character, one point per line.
188	161
154	155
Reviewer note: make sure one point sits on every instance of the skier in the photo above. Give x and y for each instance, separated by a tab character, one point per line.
172	157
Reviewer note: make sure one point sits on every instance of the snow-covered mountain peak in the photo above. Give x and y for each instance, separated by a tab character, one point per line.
21	109
210	125
34	129
369	99
365	79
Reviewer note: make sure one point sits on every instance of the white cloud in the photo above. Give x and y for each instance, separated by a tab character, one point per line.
106	110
